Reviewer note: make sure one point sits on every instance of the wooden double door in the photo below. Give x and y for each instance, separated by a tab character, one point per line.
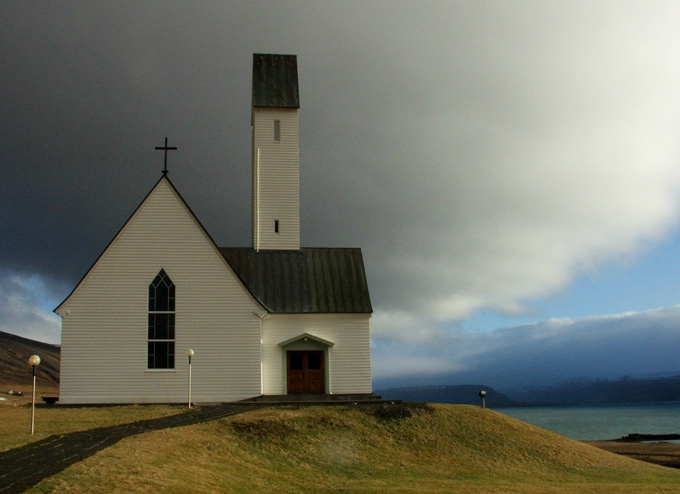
305	371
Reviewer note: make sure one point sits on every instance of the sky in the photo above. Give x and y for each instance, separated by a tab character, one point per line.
511	170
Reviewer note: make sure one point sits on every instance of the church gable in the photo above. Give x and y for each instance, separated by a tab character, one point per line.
162	253
162	230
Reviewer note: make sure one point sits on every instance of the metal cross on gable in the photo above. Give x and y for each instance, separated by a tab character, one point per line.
166	149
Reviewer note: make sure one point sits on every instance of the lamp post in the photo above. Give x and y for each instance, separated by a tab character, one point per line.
482	395
190	353
34	361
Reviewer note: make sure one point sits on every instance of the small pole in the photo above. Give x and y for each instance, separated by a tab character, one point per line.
482	395
34	361
190	353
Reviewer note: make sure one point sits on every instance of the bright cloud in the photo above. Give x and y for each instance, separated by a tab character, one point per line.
22	309
564	157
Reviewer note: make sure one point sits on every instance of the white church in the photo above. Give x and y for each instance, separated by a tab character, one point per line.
270	319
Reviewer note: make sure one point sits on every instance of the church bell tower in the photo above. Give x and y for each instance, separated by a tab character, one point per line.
276	167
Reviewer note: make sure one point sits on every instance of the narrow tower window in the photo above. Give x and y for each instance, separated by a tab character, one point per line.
161	338
276	226
277	130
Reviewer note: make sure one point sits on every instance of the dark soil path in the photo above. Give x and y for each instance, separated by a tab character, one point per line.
659	453
22	468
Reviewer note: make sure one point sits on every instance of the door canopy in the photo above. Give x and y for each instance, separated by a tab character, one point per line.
307	338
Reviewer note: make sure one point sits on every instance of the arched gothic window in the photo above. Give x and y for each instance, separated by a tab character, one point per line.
161	341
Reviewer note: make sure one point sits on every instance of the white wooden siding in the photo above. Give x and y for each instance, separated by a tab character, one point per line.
349	369
104	326
276	180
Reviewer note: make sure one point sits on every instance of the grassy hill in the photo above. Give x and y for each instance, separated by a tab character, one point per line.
365	448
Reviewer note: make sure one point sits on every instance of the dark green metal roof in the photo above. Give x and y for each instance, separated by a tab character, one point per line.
275	81
305	281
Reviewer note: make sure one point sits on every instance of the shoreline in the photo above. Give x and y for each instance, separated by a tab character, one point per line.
642	438
656	452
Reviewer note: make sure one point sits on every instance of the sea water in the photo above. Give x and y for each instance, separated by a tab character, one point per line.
602	421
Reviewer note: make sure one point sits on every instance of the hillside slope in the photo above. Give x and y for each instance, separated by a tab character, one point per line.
15	373
364	448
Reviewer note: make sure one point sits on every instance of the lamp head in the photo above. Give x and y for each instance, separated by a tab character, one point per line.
34	360
190	353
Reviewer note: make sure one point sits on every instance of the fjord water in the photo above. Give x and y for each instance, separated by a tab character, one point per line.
602	421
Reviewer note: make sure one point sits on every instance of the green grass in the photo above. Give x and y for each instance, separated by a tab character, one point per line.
15	421
401	449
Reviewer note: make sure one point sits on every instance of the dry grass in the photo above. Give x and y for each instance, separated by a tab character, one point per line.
15	421
42	389
433	449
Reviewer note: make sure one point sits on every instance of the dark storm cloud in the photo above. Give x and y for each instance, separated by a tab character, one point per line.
88	91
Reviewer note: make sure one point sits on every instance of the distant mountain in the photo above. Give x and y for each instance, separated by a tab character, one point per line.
581	391
586	391
14	367
463	394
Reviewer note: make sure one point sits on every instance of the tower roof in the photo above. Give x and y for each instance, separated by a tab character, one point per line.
275	81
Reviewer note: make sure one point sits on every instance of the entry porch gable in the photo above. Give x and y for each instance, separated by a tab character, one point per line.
307	362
